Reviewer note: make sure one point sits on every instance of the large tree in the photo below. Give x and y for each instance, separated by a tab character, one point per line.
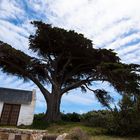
67	60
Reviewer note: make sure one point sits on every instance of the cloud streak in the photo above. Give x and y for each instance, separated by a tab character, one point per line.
111	24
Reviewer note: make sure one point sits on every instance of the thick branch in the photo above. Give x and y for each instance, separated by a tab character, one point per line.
62	72
89	88
49	78
74	85
82	82
71	73
44	91
66	64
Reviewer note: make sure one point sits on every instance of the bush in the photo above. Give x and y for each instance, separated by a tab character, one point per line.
39	122
71	117
96	118
126	120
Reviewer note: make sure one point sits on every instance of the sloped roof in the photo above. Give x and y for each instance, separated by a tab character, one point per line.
15	96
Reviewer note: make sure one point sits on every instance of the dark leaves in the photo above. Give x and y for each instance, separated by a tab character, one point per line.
67	57
103	97
13	61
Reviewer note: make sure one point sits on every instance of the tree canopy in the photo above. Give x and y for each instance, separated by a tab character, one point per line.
67	60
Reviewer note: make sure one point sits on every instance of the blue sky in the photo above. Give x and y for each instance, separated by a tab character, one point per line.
111	24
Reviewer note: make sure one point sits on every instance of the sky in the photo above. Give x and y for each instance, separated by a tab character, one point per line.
111	24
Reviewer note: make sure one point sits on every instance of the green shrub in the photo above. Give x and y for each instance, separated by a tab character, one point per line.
39	122
71	117
96	118
126	120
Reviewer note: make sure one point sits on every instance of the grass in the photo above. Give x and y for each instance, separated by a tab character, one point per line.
102	137
93	133
63	127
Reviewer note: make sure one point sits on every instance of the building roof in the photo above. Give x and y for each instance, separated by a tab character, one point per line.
15	96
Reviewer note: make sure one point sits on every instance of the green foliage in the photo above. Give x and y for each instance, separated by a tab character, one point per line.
11	59
82	61
56	39
71	117
126	120
39	122
96	118
122	122
103	97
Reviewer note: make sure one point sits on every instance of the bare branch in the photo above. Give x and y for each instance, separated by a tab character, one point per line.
66	64
89	88
102	96
64	68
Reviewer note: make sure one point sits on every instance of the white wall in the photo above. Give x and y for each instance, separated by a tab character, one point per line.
1	107
27	112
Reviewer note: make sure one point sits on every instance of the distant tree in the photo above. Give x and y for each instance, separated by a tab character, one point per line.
67	60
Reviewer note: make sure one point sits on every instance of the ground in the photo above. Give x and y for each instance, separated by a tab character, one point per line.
93	133
78	129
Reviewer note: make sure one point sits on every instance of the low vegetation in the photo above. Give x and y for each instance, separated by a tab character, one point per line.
122	123
80	131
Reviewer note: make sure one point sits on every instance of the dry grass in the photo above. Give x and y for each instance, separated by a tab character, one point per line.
77	134
112	138
88	133
76	130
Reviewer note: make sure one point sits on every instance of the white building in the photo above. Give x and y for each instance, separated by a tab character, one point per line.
16	106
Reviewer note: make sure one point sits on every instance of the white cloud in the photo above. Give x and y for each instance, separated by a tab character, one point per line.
105	22
10	9
13	35
127	50
132	57
75	98
123	41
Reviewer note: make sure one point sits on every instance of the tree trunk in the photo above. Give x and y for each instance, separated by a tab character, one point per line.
53	107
